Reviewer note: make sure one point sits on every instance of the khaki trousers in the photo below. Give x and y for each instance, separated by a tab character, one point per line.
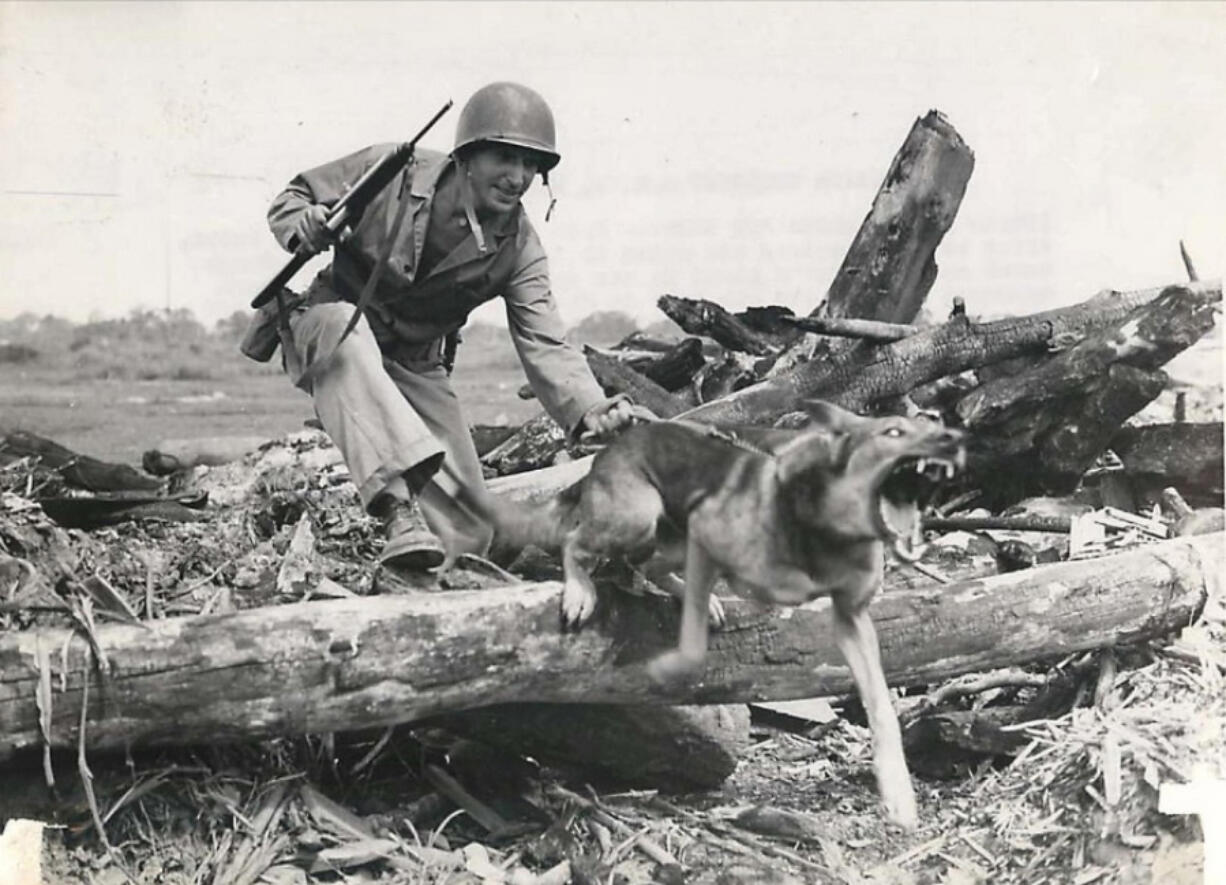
387	417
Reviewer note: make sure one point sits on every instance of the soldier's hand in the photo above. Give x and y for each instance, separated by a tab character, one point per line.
311	229
611	416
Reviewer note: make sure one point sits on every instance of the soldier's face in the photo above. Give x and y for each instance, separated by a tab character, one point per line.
499	175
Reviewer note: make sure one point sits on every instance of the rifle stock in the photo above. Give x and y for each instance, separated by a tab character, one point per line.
350	206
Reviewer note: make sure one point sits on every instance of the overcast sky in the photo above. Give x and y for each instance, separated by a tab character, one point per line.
721	150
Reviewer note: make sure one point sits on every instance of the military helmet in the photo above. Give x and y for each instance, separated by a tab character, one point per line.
509	113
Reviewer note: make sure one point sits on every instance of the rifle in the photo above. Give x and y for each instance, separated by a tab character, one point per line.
350	206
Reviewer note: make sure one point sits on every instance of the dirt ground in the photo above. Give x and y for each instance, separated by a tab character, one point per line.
1075	802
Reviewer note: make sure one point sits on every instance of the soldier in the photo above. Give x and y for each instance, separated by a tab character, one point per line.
455	235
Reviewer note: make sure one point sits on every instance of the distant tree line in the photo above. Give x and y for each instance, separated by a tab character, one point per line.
173	343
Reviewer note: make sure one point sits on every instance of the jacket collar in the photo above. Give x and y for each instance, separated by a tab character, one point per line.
430	168
426	177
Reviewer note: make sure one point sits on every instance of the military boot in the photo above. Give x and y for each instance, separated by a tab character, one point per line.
410	545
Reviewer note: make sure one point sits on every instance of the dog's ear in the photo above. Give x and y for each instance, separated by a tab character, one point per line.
828	416
813	449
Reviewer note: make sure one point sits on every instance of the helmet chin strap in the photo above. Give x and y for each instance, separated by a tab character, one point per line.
553	201
466	201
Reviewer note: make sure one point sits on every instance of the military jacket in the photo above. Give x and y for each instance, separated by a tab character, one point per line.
410	312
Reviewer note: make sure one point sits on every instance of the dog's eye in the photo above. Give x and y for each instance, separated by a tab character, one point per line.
893	431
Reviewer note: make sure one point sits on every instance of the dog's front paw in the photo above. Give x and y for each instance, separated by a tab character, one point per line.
715	613
578	603
673	667
900	806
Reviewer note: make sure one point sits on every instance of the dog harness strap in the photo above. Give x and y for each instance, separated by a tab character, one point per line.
731	438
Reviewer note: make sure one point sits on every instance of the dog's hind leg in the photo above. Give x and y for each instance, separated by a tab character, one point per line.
688	658
857	640
662	573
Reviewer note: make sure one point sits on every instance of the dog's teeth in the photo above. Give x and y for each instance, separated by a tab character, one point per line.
949	470
920	465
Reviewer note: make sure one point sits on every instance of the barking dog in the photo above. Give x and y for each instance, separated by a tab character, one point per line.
785	516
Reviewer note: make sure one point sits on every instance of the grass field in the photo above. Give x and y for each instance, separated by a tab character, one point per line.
118	420
114	390
114	397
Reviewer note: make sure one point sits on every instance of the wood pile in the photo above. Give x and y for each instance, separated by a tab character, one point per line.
253	612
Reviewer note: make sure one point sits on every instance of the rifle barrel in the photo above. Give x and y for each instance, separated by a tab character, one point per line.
363	191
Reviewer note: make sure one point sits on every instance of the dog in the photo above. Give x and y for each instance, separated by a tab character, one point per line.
786	516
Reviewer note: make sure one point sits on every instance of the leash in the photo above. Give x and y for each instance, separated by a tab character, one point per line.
641	415
732	439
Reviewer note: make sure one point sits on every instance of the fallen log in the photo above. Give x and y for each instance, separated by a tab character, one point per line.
1146	337
539	440
1080	427
1188	457
533	446
1027	523
672	366
885	275
859	377
723	375
1051	422
701	317
672	369
175	455
79	471
617	377
865	330
856	379
359	662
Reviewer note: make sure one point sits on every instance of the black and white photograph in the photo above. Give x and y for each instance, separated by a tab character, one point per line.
612	443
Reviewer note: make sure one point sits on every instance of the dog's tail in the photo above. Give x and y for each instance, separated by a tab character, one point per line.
518	525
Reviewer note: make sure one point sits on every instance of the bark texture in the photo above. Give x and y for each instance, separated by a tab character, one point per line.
369	661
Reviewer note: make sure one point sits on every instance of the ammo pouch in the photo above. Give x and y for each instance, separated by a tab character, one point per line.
262	337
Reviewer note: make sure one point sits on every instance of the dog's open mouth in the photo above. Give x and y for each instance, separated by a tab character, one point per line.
907	489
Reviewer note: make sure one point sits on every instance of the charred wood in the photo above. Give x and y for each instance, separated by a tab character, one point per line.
539	441
891	263
1187	457
890	266
858	378
1051	422
855	380
640	340
698	316
617	377
719	377
487	437
534	445
78	471
673	368
671	748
